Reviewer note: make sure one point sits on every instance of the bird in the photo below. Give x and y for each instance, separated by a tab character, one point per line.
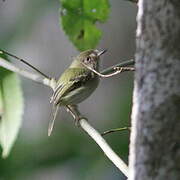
76	83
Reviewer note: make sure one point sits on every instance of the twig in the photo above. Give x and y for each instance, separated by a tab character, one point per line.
134	1
25	62
122	64
94	134
116	71
35	77
115	130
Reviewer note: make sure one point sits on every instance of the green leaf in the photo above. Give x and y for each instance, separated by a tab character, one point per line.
11	109
78	19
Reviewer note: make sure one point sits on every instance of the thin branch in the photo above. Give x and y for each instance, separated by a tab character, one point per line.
134	1
25	62
33	76
116	70
115	130
122	64
96	136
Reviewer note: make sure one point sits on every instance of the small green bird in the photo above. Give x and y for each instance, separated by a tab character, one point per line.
77	82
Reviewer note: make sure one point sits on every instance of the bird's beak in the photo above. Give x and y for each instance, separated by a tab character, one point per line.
101	52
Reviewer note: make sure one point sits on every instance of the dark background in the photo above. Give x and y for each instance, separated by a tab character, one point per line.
31	30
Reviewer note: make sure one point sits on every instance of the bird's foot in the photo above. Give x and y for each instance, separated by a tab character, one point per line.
77	120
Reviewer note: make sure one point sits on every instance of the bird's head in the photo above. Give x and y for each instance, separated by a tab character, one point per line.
89	57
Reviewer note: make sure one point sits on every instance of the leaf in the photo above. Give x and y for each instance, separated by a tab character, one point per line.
11	109
78	19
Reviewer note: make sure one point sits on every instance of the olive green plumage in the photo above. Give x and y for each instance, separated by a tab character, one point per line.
77	82
75	85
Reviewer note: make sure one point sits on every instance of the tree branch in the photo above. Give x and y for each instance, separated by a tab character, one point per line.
115	130
116	70
119	65
30	75
94	134
133	1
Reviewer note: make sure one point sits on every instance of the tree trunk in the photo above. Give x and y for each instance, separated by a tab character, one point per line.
155	137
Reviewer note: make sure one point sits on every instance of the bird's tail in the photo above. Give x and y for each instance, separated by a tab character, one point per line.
51	123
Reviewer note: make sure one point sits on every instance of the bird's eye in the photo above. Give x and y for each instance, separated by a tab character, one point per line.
88	59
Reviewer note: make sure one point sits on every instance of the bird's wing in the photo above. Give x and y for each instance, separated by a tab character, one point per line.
72	78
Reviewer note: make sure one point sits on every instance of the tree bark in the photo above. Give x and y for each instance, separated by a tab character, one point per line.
155	137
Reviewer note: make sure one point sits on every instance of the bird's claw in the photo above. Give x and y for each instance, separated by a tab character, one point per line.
77	120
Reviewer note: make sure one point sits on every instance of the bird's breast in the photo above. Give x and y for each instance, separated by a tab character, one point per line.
81	91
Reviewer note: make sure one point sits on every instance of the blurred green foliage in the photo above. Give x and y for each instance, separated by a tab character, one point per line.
11	92
79	18
11	108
